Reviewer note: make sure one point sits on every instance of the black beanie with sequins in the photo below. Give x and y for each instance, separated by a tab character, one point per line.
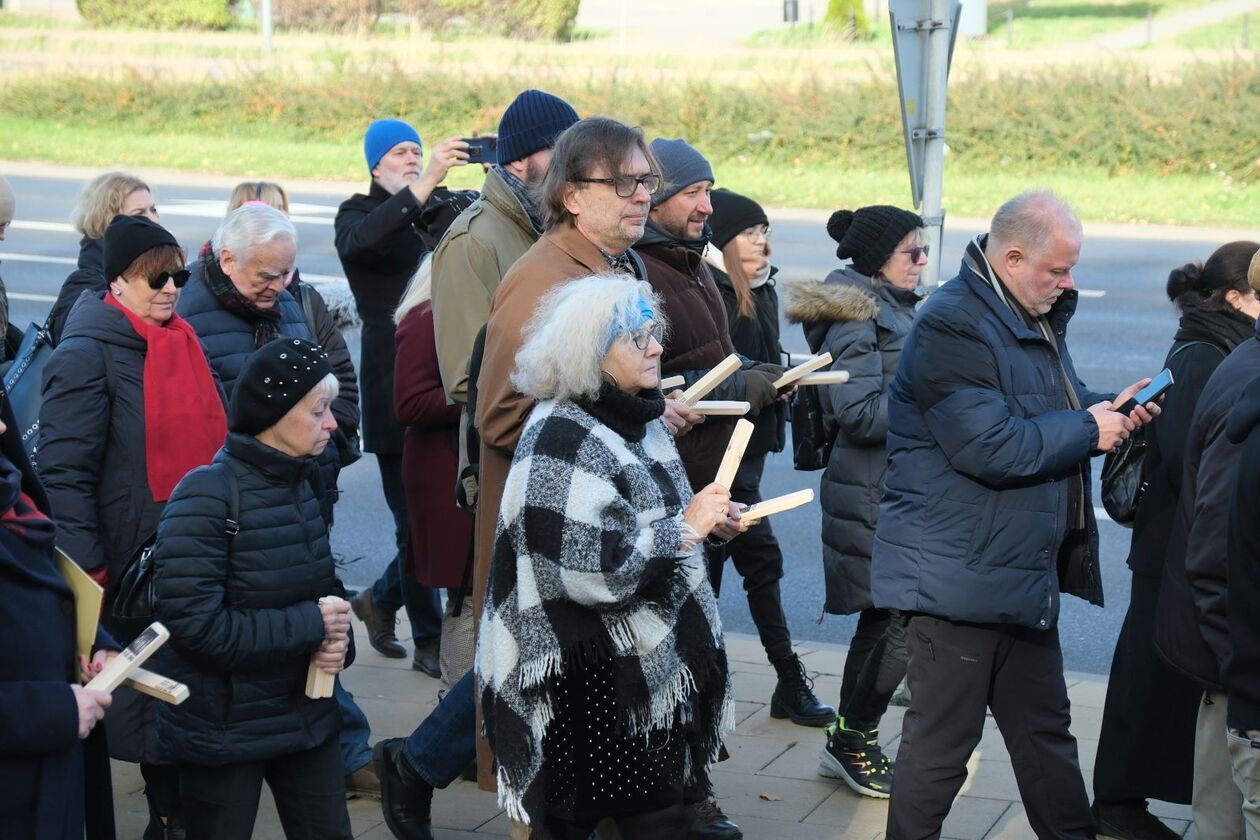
274	379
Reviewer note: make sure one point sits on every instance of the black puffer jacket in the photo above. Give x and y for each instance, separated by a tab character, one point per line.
757	337
1202	341
863	324
229	341
91	446
90	274
1192	634
1242	667
242	610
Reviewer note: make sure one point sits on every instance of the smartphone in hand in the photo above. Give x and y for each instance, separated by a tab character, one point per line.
482	149
1152	392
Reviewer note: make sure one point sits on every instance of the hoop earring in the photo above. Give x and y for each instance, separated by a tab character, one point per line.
610	379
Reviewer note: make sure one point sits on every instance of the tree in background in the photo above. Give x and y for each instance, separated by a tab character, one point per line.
847	18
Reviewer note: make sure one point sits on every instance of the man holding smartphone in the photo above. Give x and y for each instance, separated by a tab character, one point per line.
379	241
987	518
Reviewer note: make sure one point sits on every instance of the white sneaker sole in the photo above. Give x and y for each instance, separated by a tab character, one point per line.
829	767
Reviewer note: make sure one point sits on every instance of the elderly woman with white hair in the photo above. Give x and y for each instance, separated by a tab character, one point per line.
242	563
600	659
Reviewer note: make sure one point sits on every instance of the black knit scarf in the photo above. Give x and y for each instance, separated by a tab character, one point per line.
266	322
626	414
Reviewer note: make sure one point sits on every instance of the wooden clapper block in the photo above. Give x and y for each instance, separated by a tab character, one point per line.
319	683
824	377
734	453
711	380
126	663
790	376
669	383
778	504
722	408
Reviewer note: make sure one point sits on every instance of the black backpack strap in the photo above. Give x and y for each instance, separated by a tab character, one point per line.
232	525
640	270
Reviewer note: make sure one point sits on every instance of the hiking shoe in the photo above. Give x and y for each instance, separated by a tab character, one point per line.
709	823
1129	821
794	696
856	758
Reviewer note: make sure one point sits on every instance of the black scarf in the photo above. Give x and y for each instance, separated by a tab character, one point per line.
521	191
266	322
654	234
626	414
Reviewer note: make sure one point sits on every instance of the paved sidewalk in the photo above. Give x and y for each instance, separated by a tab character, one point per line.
769	786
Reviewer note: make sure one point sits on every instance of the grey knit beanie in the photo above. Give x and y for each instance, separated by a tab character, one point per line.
681	166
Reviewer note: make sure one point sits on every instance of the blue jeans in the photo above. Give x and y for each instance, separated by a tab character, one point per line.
393	589
445	742
355	730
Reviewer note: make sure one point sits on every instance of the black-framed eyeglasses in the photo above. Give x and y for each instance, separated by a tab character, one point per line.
916	252
642	338
625	185
179	277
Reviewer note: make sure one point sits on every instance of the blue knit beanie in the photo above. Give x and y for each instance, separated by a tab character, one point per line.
384	135
532	122
681	166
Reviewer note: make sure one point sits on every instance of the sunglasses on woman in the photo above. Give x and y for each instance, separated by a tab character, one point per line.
179	277
916	252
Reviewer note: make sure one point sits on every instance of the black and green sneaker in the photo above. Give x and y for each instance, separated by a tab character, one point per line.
856	757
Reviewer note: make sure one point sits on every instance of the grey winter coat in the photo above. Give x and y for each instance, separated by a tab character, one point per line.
862	323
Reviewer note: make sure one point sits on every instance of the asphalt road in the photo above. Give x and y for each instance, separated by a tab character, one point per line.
1121	332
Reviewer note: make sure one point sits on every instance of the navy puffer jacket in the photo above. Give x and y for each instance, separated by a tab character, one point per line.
242	610
981	444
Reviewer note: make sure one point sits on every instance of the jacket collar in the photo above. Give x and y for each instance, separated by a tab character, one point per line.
1057	317
378	193
565	236
498	195
274	464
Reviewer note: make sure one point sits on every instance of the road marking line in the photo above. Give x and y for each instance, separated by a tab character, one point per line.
46	227
1091	293
33	298
36	258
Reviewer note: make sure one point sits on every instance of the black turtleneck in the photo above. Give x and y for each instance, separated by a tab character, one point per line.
626	414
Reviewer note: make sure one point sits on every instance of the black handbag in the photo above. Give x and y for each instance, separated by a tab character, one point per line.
135	602
24	383
1122	484
812	440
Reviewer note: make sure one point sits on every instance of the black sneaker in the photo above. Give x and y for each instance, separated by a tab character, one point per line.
856	758
1130	821
709	823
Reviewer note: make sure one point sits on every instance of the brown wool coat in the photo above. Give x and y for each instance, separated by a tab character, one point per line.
698	339
561	255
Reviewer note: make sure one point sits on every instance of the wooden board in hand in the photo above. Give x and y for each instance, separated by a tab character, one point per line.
824	377
722	408
778	504
790	376
734	453
136	654
711	380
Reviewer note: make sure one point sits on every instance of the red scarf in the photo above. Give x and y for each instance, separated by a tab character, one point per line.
184	421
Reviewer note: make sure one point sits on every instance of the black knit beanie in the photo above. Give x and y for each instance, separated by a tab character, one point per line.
127	237
274	379
732	214
869	235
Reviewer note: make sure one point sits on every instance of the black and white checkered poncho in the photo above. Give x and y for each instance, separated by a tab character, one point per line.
588	564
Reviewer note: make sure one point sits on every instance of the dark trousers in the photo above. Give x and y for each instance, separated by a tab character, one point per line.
757	558
221	803
874	668
395	588
667	822
956	671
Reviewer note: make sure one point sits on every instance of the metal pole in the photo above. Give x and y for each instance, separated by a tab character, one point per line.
266	26
1246	34
1150	27
1010	27
934	151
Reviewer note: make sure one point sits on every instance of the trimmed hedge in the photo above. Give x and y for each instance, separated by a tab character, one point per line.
158	14
1121	122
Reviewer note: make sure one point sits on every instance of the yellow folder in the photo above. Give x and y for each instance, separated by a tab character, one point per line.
87	603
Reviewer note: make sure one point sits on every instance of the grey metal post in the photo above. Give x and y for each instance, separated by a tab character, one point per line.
1150	27
1010	27
266	26
934	158
1246	32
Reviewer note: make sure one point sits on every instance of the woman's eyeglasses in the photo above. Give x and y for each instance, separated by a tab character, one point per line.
916	252
625	185
179	277
643	338
756	232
